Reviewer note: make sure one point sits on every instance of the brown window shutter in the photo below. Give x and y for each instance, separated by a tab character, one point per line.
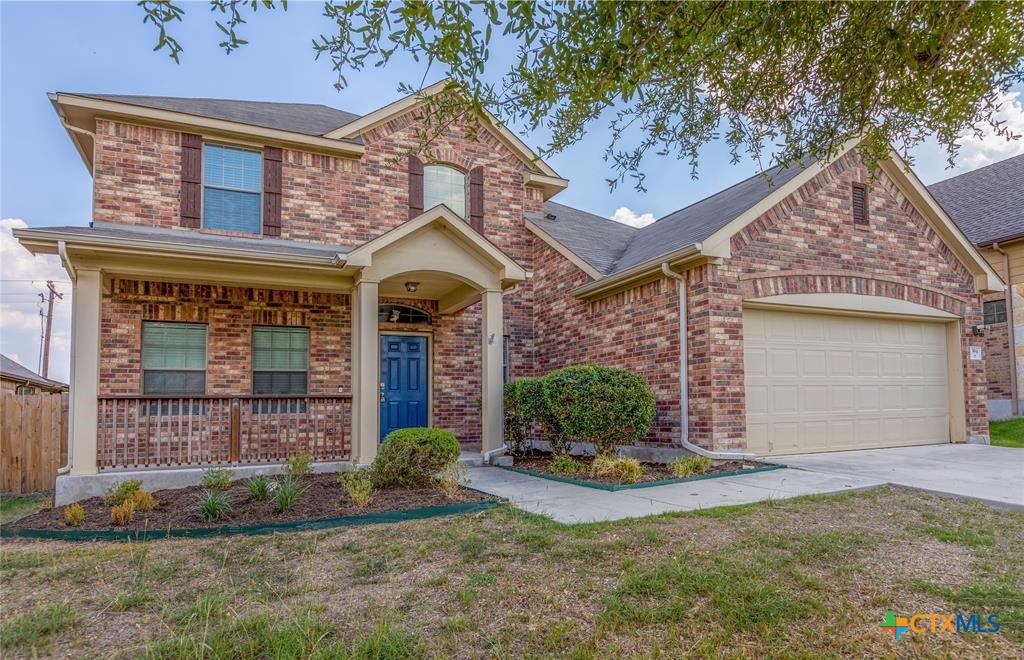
191	180
859	198
272	191
476	199
415	187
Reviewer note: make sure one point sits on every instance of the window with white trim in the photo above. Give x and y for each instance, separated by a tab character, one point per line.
444	185
173	358
232	189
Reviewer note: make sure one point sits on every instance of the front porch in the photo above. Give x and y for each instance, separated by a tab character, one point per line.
230	288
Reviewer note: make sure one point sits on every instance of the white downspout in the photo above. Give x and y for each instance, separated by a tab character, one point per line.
684	393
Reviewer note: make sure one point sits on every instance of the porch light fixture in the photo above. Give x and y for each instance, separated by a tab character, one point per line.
412	286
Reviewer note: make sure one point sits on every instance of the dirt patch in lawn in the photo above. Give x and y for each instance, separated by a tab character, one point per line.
537	461
322	497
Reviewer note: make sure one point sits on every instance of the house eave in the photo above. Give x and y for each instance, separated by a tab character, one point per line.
684	258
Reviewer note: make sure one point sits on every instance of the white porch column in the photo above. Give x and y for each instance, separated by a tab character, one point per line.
493	394
86	298
365	372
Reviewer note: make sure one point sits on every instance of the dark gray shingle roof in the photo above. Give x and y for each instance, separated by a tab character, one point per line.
307	118
988	203
178	237
598	241
14	371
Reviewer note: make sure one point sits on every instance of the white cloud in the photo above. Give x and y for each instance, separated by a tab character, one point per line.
629	217
975	150
22	277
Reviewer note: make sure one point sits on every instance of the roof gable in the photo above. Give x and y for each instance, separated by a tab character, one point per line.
986	203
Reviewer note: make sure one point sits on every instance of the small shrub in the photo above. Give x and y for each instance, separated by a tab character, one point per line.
214	505
217	479
123	513
297	465
524	399
358	486
629	470
74	514
411	457
451	479
144	500
684	467
122	492
567	465
258	487
606	406
287	494
603	466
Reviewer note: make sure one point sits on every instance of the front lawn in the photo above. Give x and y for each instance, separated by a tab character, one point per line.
799	578
13	507
1007	433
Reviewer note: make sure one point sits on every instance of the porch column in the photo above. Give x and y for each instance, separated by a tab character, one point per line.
365	372
86	297
493	394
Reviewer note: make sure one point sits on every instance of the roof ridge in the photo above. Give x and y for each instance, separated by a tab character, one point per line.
203	98
719	192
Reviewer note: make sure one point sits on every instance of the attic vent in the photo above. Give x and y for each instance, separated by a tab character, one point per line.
859	199
550	216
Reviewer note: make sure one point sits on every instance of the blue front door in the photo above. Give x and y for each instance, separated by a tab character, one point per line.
403	379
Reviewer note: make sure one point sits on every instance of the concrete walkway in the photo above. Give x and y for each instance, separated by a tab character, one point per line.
567	503
994	475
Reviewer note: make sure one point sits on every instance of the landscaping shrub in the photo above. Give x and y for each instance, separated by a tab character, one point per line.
606	406
287	494
358	486
297	465
258	487
628	470
217	479
451	478
144	500
566	465
74	514
214	505
122	492
684	467
524	399
123	513
411	457
603	466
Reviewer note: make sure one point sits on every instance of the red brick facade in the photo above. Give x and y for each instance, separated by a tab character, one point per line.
997	361
806	244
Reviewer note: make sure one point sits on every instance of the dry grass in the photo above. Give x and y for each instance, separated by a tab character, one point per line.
809	577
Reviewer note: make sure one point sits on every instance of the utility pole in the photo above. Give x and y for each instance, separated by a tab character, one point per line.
49	325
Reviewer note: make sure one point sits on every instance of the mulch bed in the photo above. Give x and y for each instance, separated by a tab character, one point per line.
178	508
538	461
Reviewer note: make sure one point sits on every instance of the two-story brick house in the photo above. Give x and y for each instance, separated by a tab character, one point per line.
263	278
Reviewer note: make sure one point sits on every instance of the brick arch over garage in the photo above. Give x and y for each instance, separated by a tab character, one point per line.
761	285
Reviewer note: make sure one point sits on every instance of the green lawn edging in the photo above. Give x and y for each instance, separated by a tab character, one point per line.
646	484
249	530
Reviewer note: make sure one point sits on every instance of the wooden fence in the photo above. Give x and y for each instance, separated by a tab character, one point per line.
33	441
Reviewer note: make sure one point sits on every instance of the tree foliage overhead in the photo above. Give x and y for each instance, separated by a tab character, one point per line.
779	81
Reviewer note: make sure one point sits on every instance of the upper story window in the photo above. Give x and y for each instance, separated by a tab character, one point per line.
173	358
232	183
444	185
995	312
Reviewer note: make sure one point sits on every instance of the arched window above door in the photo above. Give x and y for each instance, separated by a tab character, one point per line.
391	313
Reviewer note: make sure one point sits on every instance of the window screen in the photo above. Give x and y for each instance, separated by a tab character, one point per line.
444	185
280	360
232	182
173	358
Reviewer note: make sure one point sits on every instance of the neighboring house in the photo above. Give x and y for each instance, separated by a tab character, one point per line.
988	205
266	278
20	380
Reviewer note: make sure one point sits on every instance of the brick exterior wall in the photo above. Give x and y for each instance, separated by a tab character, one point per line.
997	361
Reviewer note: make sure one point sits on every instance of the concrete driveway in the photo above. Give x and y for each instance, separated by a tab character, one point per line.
994	475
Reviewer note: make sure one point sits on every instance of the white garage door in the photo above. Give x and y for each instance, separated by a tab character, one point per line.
816	382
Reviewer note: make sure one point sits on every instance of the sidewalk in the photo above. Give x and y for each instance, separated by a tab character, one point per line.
568	503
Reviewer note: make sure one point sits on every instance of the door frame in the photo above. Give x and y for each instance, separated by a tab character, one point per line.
430	368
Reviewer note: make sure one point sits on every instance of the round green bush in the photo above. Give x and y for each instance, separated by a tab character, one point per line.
606	406
524	401
411	457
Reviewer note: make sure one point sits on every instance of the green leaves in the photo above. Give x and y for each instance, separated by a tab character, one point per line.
779	81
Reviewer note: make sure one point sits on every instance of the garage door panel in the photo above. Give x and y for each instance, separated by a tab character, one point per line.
816	382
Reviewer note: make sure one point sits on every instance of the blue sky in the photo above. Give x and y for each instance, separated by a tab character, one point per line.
103	47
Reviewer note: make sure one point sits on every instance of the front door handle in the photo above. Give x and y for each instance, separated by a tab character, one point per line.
382	392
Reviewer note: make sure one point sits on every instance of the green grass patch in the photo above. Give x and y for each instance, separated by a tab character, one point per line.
962	535
1007	433
34	631
13	507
